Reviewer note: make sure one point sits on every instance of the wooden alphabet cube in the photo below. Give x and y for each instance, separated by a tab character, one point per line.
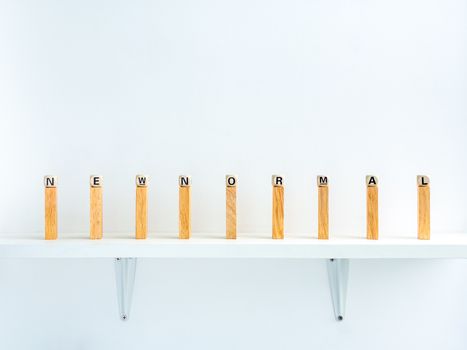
322	180
277	180
230	180
371	181
423	180
184	180
50	181
142	180
96	181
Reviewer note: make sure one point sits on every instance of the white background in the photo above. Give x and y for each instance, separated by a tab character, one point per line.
299	88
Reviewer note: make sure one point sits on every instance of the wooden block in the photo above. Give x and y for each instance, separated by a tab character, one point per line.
231	207
323	207
95	216
141	207
51	227
372	207
184	205
423	207
277	207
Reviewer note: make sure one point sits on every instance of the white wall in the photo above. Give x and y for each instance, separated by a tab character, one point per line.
343	88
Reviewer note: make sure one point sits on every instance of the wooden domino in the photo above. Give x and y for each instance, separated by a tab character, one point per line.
371	207
51	227
323	207
423	186
277	207
184	207
230	207
141	221
96	224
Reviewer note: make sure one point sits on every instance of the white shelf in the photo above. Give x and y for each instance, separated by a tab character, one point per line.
336	251
246	246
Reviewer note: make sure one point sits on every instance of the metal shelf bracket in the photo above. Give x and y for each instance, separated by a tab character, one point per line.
125	269
338	272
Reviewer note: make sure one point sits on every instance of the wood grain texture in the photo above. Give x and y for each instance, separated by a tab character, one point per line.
51	227
231	212
372	212
141	220
184	219
323	212
277	212
95	228
423	212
